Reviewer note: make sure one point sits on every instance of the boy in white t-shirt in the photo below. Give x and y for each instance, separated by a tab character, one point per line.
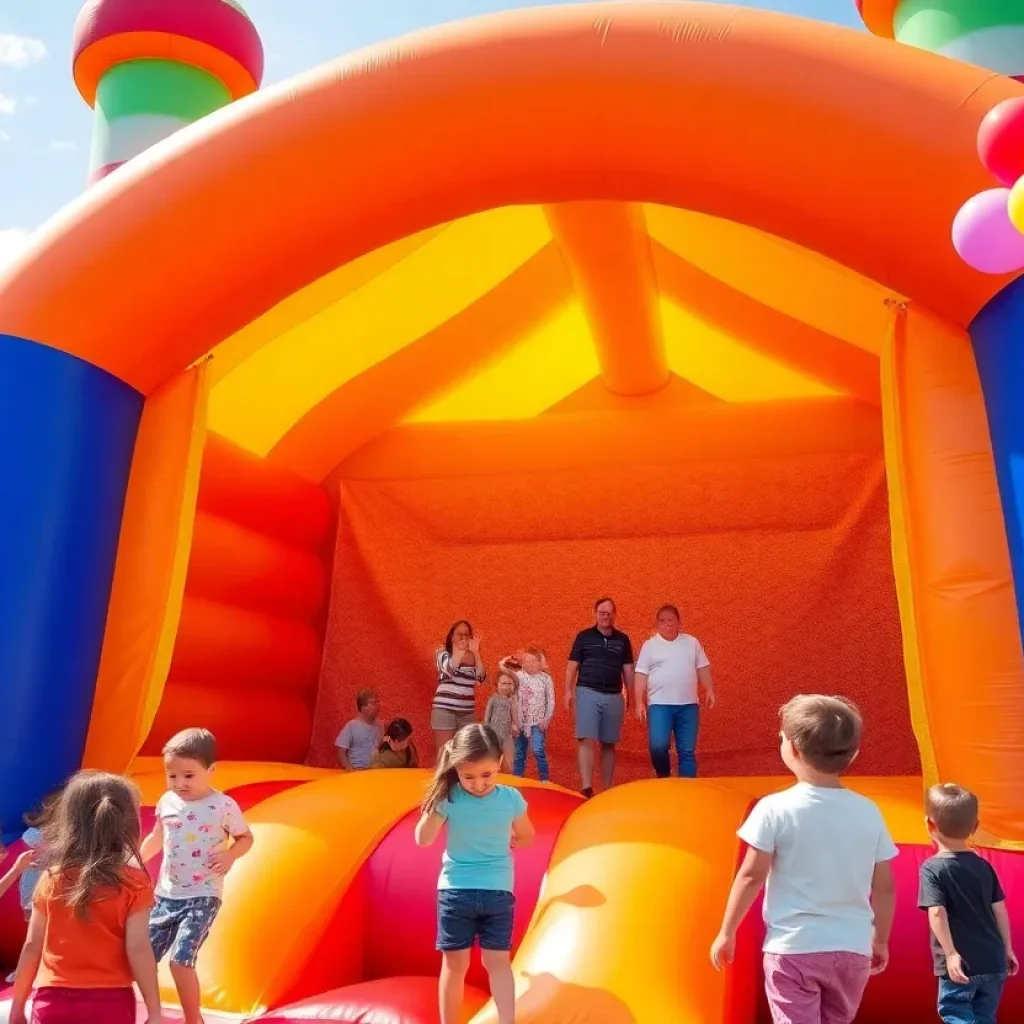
670	672
825	855
202	833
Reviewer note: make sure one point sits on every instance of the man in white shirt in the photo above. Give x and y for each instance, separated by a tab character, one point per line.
670	671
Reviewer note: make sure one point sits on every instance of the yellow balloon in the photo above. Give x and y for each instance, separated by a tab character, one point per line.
1016	205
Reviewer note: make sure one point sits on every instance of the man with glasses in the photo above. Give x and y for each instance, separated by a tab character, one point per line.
599	675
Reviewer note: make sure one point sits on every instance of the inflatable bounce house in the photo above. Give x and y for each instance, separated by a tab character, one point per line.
661	300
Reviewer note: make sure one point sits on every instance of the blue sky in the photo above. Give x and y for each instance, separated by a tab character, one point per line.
45	127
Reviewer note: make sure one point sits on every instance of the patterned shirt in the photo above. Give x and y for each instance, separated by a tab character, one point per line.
499	717
536	699
193	831
456	686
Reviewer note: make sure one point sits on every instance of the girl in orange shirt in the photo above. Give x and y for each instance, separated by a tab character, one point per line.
88	937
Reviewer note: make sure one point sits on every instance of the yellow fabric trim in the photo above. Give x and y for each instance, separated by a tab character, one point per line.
149	574
902	540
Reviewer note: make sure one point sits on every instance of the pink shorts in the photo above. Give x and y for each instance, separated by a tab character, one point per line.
815	988
77	1005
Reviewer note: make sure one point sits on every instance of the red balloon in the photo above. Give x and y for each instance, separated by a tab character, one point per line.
1001	142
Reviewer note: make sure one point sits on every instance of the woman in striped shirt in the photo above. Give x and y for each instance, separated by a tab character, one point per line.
460	669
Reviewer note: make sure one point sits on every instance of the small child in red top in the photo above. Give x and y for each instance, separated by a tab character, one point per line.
88	938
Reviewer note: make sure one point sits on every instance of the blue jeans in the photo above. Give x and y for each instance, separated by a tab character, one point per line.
973	1003
665	721
536	740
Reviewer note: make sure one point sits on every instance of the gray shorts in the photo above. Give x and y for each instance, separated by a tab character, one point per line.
599	715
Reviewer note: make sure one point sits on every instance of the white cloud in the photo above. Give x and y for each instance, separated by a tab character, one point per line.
62	146
4	137
12	241
20	51
8	104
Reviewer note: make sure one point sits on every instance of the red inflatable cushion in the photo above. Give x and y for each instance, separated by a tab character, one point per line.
386	1001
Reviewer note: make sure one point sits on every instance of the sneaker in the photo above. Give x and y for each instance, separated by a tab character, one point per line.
587	793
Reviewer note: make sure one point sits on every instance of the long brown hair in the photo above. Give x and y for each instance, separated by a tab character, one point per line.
471	743
44	813
93	832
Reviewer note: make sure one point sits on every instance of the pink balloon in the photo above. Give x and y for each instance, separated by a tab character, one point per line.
984	236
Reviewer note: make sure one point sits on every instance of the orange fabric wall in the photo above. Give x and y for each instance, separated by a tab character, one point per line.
777	555
247	655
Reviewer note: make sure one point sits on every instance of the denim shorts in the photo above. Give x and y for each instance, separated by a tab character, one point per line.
180	927
463	915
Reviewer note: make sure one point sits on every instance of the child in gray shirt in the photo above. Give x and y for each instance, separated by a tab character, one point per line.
360	737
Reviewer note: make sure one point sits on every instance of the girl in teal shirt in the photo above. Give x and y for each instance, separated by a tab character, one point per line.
485	821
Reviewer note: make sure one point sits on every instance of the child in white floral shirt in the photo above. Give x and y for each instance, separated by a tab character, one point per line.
536	707
201	832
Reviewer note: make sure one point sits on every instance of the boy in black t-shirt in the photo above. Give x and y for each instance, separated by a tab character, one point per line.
970	926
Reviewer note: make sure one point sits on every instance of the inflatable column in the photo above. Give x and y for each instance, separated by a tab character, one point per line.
989	33
150	67
988	235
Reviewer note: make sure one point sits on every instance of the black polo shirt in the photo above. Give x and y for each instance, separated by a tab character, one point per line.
601	659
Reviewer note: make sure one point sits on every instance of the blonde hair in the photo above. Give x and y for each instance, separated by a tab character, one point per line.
953	810
825	731
470	744
94	831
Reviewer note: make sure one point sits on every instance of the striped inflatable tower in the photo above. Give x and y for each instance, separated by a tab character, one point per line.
150	67
989	33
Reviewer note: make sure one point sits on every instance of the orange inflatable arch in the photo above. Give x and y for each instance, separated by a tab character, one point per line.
801	130
625	175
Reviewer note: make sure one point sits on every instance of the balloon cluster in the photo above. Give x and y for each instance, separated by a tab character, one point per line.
988	231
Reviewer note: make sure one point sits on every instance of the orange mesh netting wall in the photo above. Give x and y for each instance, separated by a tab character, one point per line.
767	525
